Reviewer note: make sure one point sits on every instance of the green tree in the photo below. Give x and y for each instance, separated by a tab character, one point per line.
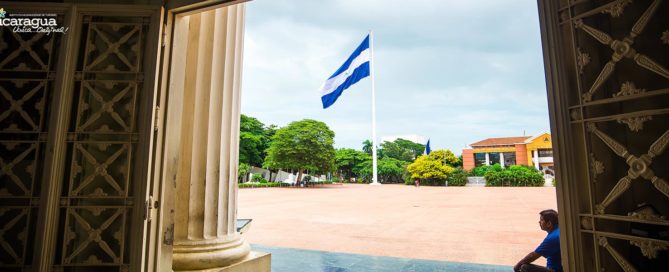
416	148
401	149
254	139
251	124
302	145
251	148
395	151
348	160
367	147
389	170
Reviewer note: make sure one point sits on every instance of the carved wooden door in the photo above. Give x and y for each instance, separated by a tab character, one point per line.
75	131
608	85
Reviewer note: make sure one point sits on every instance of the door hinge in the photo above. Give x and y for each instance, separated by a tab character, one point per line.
164	35
156	124
148	205
168	237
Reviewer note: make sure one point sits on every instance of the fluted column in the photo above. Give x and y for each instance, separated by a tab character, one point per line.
205	235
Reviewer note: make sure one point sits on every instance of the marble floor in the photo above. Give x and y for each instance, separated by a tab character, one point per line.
300	260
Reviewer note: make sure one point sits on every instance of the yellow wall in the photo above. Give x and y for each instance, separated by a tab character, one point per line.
544	141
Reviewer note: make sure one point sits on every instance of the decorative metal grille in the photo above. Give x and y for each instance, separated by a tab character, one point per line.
27	72
98	196
619	105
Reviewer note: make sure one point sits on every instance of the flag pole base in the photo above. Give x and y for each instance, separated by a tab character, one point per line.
375	183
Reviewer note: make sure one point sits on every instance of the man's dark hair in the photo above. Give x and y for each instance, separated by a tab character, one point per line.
550	215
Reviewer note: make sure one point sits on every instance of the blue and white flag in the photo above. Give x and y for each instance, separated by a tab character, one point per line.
353	70
427	148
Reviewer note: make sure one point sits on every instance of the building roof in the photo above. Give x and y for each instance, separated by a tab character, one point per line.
501	141
535	137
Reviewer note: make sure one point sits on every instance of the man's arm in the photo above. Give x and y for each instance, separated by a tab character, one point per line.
531	257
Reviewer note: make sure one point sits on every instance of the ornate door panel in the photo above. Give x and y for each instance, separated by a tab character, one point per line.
93	205
27	80
608	82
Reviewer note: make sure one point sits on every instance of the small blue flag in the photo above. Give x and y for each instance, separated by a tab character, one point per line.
427	148
353	70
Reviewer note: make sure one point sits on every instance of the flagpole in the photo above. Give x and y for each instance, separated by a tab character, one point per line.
375	180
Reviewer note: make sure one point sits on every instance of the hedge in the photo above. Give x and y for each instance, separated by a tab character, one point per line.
480	171
458	177
262	185
516	175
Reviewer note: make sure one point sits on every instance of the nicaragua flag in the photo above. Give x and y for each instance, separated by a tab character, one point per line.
353	70
427	148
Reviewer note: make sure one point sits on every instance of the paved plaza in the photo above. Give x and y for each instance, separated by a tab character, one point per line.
482	225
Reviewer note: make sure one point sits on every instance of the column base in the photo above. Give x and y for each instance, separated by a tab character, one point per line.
208	254
253	262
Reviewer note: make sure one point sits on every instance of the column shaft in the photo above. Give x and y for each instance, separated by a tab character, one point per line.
206	197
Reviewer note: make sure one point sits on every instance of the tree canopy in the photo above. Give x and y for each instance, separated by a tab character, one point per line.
349	161
426	168
434	168
367	147
302	145
401	149
254	138
389	170
444	156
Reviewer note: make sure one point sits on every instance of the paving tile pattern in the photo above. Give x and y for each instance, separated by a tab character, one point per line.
484	225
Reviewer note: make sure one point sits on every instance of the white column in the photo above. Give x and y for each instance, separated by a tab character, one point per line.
501	159
535	158
487	158
205	235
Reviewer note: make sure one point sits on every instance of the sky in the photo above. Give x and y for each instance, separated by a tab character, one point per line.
454	71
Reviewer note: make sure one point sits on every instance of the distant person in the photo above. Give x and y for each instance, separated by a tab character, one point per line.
417	182
549	248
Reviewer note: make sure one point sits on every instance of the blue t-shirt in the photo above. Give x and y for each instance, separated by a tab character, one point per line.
550	249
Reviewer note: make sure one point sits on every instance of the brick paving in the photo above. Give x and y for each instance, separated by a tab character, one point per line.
486	225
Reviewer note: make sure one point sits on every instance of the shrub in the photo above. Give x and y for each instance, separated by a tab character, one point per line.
430	172
458	177
554	182
516	175
243	170
433	182
406	176
258	178
480	171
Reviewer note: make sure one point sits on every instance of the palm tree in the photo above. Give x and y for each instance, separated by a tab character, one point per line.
367	147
